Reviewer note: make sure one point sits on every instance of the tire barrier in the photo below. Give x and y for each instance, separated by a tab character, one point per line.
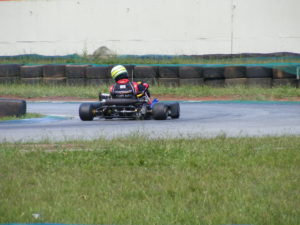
55	81
213	73
33	81
214	82
279	73
187	72
234	72
145	72
98	75
31	72
10	70
76	81
259	82
9	80
235	82
258	72
285	82
76	71
168	72
9	73
171	76
168	82
51	71
11	107
97	82
129	68
98	72
191	82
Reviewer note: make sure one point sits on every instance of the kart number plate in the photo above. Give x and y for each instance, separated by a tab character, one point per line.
122	86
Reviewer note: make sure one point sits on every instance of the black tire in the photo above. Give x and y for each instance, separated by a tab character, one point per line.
188	72
86	111
145	72
259	82
235	72
54	81
175	110
10	70
76	71
160	111
76	81
12	107
168	82
258	72
191	82
282	73
98	72
284	82
213	72
31	71
168	71
52	71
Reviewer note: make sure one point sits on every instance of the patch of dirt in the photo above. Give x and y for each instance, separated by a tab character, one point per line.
160	97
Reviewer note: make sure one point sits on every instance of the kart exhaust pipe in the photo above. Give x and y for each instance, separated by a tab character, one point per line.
121	101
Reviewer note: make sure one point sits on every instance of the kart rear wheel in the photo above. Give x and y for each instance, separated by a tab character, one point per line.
175	110
160	111
86	112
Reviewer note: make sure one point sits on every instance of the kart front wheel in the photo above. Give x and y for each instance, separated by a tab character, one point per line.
86	112
160	111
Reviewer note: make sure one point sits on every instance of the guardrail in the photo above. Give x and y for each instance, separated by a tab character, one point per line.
167	75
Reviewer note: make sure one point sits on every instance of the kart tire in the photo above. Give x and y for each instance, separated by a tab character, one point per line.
10	70
31	71
12	107
231	72
86	112
160	111
213	73
258	72
175	110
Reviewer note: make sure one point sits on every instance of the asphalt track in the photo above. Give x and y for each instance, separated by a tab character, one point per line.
198	119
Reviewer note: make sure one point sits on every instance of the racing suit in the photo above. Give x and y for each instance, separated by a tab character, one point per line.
124	88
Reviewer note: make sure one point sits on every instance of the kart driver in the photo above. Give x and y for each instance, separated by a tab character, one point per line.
123	88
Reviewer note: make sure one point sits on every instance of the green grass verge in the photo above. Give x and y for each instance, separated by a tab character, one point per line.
151	60
141	181
238	93
26	116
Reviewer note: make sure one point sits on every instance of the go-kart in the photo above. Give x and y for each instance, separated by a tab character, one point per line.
128	108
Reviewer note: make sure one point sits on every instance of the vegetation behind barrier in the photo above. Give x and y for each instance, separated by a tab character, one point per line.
187	92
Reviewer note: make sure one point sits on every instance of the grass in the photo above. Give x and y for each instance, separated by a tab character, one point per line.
148	60
140	181
238	93
26	116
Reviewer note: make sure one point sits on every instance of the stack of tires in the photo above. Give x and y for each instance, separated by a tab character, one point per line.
98	75
282	78
190	75
258	76
214	76
235	76
31	74
168	76
76	75
54	74
146	74
9	73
